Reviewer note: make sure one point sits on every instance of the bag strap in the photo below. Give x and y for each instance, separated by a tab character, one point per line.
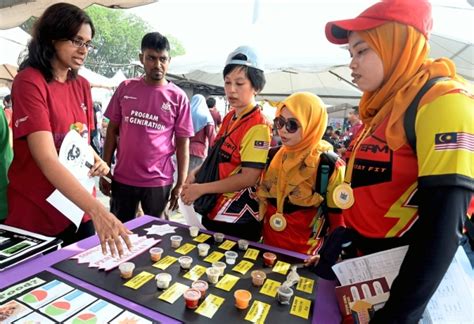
410	114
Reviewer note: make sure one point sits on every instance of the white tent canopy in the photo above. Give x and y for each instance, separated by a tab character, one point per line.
13	42
15	12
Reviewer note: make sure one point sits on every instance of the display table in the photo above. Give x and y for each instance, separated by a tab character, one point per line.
108	285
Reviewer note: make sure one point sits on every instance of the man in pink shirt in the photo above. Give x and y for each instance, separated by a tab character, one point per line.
150	120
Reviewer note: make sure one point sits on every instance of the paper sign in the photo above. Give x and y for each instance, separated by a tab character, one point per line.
306	285
270	287
202	238
165	262
214	257
227	282
190	216
139	280
173	293
300	307
281	267
258	312
34	318
243	266
251	254
195	273
129	317
227	245
73	154
210	305
185	248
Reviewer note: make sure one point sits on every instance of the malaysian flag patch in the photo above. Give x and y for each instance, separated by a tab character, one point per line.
454	141
261	145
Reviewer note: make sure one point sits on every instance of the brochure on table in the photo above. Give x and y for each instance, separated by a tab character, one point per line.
17	244
452	301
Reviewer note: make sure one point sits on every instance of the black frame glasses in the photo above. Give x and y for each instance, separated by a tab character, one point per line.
79	43
291	124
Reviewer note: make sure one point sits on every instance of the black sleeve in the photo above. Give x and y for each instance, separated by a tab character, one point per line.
438	231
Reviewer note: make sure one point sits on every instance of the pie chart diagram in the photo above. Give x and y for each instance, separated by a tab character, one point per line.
86	318
57	308
35	296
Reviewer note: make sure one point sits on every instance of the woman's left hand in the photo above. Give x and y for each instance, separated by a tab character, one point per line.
312	260
99	169
191	192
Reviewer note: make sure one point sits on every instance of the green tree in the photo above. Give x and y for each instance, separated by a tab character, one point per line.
118	35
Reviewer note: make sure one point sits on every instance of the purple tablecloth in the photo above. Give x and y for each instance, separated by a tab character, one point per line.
325	308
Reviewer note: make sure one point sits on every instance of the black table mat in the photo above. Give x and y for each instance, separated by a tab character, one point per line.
147	295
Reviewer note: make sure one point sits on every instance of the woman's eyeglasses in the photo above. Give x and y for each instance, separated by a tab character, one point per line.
79	43
291	124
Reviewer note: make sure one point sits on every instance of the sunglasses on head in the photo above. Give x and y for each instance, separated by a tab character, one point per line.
291	124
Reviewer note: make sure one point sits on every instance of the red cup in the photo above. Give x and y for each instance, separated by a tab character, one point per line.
191	297
202	286
269	258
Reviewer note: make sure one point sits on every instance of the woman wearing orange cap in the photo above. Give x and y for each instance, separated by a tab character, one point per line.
293	191
407	190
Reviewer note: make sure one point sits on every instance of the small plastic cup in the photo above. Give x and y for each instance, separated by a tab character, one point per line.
269	258
242	298
258	277
284	294
243	244
155	254
191	297
126	270
193	231
218	237
219	266
176	241
185	262
202	286
163	280
213	275
230	257
203	249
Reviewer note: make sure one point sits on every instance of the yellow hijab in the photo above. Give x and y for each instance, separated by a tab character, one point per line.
292	172
403	51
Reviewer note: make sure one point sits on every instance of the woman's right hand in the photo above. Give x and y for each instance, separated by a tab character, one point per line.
110	230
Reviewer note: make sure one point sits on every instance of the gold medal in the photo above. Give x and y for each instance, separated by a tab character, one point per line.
278	222
343	196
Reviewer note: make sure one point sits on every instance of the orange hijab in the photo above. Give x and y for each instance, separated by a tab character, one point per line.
292	172
403	51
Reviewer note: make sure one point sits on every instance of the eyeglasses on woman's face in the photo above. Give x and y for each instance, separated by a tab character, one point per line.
291	124
78	43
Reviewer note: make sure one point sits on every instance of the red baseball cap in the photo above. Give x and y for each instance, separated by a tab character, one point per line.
416	13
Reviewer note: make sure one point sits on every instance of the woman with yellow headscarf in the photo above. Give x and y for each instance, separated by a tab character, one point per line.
410	172
290	197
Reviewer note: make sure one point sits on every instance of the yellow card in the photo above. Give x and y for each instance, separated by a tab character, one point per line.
201	238
185	248
210	305
251	254
270	287
301	307
195	273
171	294
139	280
214	257
242	267
227	282
306	285
165	262
227	245
281	267
258	312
